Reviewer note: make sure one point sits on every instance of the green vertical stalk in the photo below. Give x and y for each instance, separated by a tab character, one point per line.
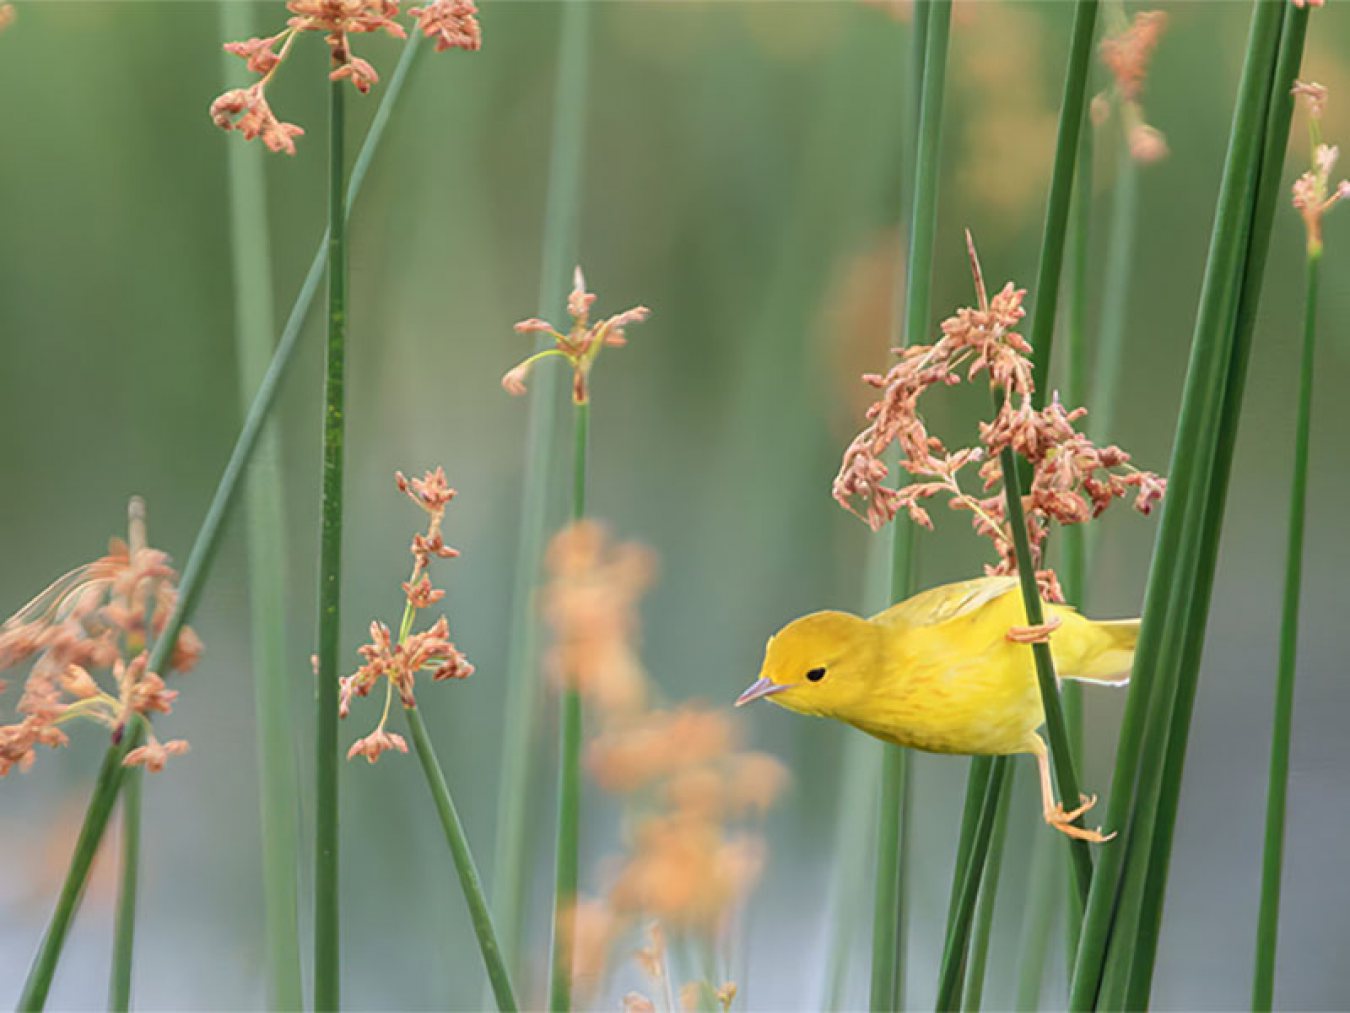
465	867
562	211
1072	113
933	26
1161	796
1046	874
327	958
1117	269
984	911
198	566
1272	859
1173	555
124	928
957	942
569	774
1075	390
264	512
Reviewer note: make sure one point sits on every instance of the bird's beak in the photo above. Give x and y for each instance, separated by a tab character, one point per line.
760	688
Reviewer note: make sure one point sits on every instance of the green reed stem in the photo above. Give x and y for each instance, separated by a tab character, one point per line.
1046	875
977	788
932	27
1174	557
562	212
124	927
1117	270
199	561
327	956
1161	796
465	868
106	787
1071	117
1272	861
957	943
278	791
1072	112
569	774
984	911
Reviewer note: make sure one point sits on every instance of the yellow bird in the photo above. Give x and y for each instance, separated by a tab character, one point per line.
939	672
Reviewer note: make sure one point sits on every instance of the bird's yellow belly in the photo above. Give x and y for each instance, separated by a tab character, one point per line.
985	707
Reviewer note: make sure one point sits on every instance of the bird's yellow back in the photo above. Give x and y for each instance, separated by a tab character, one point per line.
937	672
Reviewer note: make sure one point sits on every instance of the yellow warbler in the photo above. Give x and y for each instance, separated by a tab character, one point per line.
947	671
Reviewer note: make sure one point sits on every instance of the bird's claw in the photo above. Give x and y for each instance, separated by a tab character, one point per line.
1063	821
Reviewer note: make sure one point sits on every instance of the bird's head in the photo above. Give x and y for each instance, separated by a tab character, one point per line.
819	664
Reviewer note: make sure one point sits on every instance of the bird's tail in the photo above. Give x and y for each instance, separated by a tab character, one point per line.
1097	651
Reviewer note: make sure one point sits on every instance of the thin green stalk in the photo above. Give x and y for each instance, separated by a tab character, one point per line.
957	942
1074	574
569	773
1115	312
888	899
264	512
1046	874
198	566
106	787
1164	794
1201	404
977	789
1072	113
327	957
933	28
562	211
464	864
984	912
1272	861
124	928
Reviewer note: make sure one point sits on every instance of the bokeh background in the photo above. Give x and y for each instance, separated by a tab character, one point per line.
742	178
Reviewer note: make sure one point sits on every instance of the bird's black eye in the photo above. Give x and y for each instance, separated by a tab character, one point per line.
816	674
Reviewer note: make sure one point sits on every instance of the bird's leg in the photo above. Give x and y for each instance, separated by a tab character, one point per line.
1054	811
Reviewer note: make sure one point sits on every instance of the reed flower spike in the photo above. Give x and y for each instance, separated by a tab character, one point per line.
693	796
99	617
581	345
1313	193
1073	480
399	660
1126	55
452	23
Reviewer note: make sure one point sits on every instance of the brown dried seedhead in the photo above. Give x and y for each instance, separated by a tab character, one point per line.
1072	479
91	629
452	23
399	659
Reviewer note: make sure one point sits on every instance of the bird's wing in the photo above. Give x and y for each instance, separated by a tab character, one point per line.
939	604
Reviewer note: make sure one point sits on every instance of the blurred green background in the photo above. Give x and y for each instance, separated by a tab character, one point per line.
743	179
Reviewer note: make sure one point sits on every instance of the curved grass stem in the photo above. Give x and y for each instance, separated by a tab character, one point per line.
199	561
465	867
1272	861
124	927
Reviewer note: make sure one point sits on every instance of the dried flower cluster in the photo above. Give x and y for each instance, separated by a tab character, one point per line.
98	617
1127	55
694	995
1313	194
1073	480
398	661
686	785
1309	3
581	345
452	23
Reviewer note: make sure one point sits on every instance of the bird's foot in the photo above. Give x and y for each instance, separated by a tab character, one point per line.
1063	821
